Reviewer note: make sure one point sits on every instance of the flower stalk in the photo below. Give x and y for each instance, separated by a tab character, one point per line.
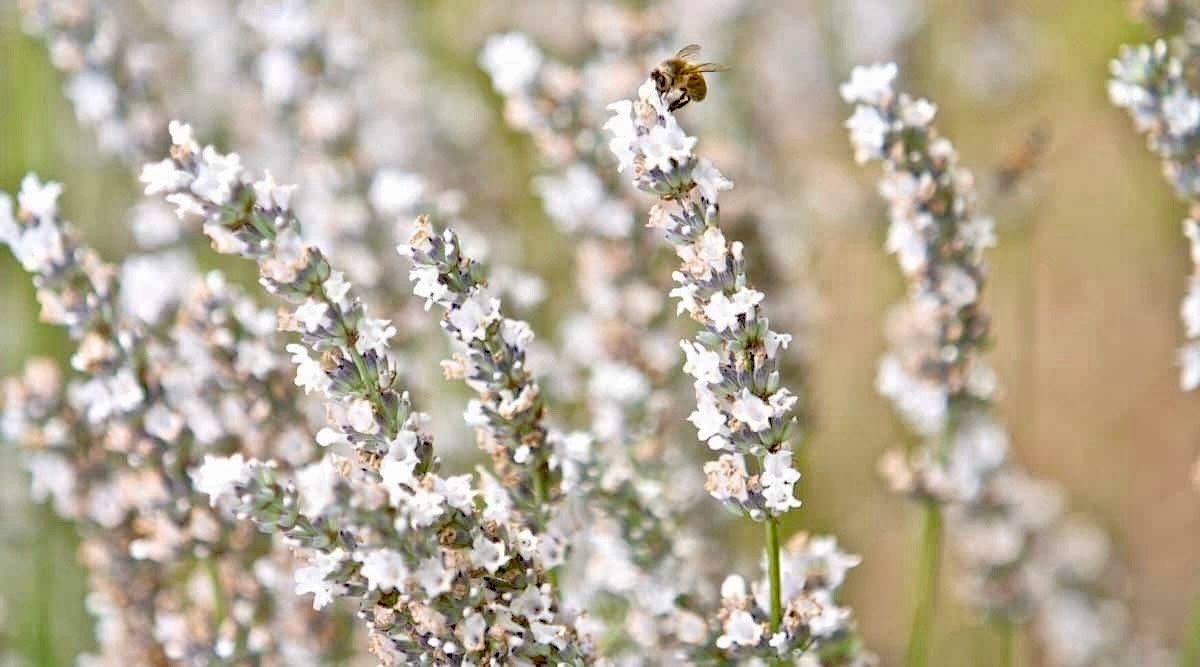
925	605
742	410
773	575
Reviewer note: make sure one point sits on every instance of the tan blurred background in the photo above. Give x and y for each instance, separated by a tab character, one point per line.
1085	287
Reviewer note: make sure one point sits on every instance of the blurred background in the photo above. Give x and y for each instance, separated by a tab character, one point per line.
1084	286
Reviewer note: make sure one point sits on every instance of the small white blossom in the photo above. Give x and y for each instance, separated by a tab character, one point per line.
218	476
472	631
707	418
428	286
532	604
624	133
314	578
361	416
309	373
871	84
458	492
216	176
311	314
723	311
1181	111
702	364
709	180
424	507
710	249
487	554
272	195
183	136
474	315
868	129
373	335
164	176
336	288
39	199
752	411
433	576
740	630
1189	364
777	479
316	484
665	146
385	570
918	113
512	60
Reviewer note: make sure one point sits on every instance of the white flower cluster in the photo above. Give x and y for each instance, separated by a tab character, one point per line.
938	239
999	517
110	447
740	408
812	569
637	558
1152	84
113	83
559	107
491	358
470	586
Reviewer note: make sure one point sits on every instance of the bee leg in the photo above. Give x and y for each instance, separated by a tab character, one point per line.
679	103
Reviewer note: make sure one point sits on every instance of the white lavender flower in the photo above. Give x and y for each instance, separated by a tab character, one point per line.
399	498
936	374
1152	84
742	411
491	358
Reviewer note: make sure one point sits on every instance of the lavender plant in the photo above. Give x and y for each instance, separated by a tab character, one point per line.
440	577
210	490
114	448
1004	524
742	411
1154	83
640	491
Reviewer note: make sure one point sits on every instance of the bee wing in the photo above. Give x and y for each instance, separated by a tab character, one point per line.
709	67
688	51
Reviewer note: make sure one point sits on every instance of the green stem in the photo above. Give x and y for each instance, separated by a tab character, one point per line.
214	577
1008	637
1189	653
539	485
542	493
927	581
773	573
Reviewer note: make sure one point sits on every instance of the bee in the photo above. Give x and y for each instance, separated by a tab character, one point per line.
682	79
1025	158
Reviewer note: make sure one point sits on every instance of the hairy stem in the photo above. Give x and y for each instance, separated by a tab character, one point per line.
926	594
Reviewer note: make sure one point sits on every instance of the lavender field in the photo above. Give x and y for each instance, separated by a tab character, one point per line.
861	332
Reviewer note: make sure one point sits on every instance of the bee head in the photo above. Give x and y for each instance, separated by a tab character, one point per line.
660	81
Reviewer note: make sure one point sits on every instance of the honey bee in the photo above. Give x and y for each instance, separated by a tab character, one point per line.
1025	158
682	79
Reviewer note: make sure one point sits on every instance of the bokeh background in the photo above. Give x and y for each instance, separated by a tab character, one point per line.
1084	287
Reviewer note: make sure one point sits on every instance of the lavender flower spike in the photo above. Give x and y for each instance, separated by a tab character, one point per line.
445	573
742	411
509	413
1152	83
